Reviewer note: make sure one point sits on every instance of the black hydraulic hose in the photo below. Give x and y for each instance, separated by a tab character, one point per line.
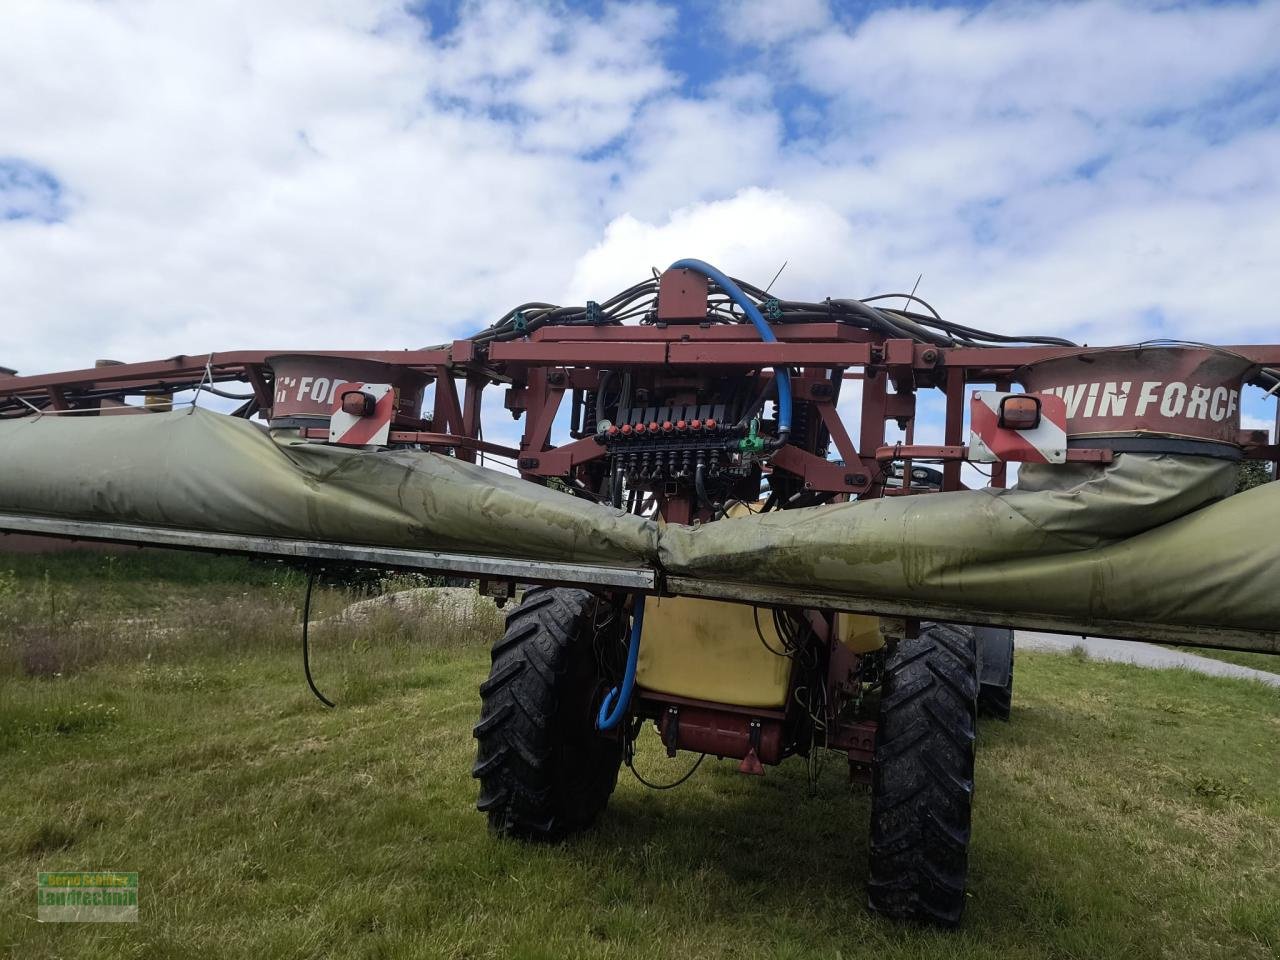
700	485
638	300
757	402
906	328
209	388
905	296
664	786
306	643
606	377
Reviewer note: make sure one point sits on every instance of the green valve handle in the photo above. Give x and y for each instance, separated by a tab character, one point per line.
752	442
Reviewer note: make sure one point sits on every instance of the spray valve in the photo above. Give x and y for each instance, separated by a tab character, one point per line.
752	442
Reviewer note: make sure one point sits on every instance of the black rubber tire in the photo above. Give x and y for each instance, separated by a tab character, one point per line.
544	770
922	783
996	700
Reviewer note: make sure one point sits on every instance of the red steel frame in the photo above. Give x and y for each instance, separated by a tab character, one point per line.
540	369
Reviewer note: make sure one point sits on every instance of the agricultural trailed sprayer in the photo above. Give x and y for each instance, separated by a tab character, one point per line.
706	546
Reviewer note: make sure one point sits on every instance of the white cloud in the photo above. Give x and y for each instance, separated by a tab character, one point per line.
747	235
297	174
770	21
1105	59
680	151
574	81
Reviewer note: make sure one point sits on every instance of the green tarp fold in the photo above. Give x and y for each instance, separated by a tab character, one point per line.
1147	538
198	470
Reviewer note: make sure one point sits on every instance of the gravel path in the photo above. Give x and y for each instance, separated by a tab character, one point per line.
1143	654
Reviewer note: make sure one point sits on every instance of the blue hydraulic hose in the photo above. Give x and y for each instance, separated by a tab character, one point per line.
620	700
735	293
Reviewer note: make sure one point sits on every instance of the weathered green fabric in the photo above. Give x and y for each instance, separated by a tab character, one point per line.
1143	539
1047	546
204	471
1216	567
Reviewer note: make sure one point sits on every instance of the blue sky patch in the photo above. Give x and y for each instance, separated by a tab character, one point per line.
29	192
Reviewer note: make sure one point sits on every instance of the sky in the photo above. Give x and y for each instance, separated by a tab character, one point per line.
180	178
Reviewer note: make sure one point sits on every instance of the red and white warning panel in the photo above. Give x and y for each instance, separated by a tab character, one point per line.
1028	427
361	414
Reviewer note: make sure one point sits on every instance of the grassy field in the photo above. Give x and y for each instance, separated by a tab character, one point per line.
153	718
1269	662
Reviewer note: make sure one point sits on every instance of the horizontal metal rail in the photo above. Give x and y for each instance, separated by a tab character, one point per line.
426	561
631	579
1221	638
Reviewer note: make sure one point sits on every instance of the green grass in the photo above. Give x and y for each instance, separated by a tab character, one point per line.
1124	813
1270	662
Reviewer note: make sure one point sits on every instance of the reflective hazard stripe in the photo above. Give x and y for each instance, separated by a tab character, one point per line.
373	430
990	443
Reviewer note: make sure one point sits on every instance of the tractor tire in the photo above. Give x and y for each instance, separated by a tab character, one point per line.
922	783
544	770
995	684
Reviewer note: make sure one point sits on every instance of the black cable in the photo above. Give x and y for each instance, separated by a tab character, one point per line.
306	644
602	387
755	614
663	786
700	486
639	301
905	296
226	395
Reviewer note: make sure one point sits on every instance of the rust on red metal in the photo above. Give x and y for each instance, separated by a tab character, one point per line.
756	354
721	733
305	386
429	439
900	451
857	739
682	297
681	361
550	352
1009	359
792	332
557	461
1168	391
820	474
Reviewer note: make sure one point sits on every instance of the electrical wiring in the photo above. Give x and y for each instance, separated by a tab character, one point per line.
755	614
306	642
640	301
630	759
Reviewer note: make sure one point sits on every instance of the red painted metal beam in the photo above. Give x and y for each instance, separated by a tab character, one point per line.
902	451
180	369
820	474
558	461
551	353
717	333
770	354
1007	358
429	439
447	415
